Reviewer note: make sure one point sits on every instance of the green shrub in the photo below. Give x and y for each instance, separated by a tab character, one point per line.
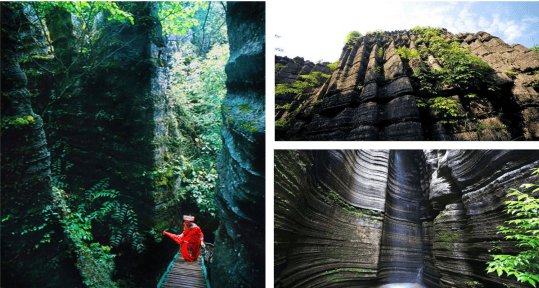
525	231
279	66
352	36
445	108
407	53
333	66
535	48
282	124
298	87
460	69
381	52
375	32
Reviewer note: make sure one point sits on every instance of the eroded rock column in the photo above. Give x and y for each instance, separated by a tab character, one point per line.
240	242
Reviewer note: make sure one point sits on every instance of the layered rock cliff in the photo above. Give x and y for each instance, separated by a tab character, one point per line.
366	218
26	186
239	243
373	96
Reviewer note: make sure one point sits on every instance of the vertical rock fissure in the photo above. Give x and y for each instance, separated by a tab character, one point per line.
401	252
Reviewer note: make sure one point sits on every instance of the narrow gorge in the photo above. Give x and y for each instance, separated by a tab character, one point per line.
117	119
364	218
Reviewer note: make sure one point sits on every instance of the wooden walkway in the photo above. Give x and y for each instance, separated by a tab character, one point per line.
186	275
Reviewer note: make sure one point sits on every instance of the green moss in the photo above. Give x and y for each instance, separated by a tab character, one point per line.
18	122
279	66
511	74
284	107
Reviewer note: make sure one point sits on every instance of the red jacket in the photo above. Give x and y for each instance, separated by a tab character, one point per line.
189	240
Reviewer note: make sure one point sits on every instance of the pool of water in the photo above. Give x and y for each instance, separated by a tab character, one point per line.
401	285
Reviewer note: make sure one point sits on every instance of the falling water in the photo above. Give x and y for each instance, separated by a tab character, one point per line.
418	280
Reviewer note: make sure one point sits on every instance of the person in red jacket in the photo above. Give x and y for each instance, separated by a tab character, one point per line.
190	240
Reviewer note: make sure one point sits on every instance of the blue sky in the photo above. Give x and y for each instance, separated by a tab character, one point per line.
316	30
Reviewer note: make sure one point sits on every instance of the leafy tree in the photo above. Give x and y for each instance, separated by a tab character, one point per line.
525	231
535	48
199	89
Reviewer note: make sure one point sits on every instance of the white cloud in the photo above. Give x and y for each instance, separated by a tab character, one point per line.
483	22
512	32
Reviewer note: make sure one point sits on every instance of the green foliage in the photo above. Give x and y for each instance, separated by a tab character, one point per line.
460	69
18	122
94	261
445	108
375	32
299	87
381	52
378	71
199	89
511	74
284	107
87	9
177	17
282	124
333	66
279	66
406	53
535	48
523	230
470	96
352	36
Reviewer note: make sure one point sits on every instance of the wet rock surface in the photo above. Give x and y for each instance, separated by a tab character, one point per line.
370	71
26	185
239	245
440	216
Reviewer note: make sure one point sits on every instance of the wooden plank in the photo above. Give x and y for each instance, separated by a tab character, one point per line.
186	274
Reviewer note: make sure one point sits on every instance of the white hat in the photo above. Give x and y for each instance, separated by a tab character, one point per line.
189	218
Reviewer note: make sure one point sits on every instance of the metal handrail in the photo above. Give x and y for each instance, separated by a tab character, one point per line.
164	278
206	259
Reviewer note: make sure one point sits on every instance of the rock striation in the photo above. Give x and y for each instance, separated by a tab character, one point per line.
26	184
239	243
372	96
437	224
288	70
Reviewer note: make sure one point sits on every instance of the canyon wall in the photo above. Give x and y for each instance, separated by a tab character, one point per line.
240	243
26	185
438	218
110	122
371	95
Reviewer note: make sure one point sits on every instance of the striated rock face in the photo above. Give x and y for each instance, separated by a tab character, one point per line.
469	188
289	70
439	221
321	238
371	96
239	243
115	122
26	184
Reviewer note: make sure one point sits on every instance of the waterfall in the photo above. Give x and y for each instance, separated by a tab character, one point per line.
418	279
